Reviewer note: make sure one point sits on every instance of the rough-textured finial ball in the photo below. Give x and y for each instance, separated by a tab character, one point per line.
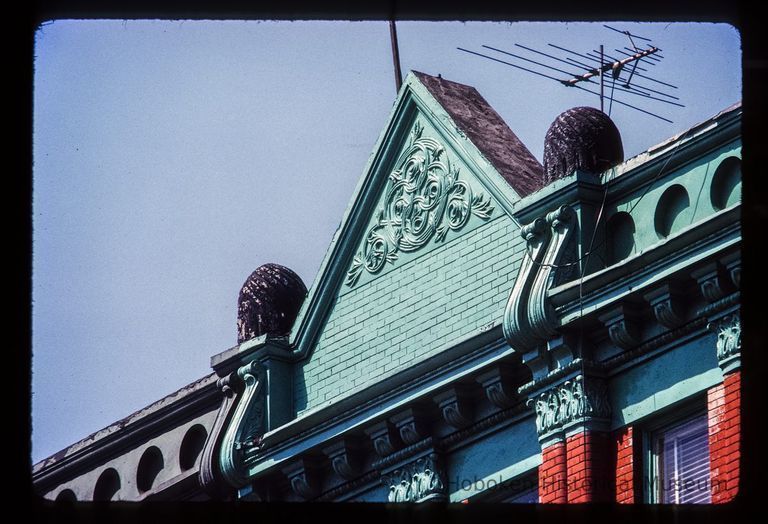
269	302
581	138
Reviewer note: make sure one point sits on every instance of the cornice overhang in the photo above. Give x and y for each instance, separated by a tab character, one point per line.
435	381
54	470
695	245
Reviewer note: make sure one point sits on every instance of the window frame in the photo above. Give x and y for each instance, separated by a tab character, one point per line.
671	417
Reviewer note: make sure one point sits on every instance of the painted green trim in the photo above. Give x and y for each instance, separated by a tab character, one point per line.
510	473
661	382
693	245
374	403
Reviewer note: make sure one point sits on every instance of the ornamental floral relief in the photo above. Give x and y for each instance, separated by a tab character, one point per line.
424	199
569	402
418	481
728	336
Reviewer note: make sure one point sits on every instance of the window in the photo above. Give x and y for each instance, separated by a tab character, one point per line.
680	462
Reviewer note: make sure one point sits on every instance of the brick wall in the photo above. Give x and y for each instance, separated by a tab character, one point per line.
553	474
724	402
412	311
627	466
589	475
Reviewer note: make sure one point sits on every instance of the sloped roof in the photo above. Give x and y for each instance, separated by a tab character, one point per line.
488	131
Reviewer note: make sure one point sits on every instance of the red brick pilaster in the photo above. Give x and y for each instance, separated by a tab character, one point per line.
588	465
553	474
627	466
724	402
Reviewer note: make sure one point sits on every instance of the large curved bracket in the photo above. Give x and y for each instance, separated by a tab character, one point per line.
529	318
246	427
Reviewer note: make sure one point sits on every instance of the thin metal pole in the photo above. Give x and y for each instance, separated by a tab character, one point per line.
395	55
601	77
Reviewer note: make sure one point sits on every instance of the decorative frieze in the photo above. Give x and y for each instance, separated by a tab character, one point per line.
418	481
424	199
572	401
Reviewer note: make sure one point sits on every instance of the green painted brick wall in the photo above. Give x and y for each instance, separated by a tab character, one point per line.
412	311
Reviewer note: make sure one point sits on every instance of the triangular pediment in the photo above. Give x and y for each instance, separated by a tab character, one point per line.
428	194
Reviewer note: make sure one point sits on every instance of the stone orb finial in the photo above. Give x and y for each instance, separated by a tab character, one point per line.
581	138
269	302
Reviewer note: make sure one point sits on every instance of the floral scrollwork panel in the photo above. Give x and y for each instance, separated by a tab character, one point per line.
424	199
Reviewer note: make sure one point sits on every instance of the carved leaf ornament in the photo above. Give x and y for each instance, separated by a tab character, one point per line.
424	199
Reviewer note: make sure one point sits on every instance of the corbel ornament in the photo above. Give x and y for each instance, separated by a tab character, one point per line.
529	318
667	303
456	406
412	424
304	478
384	437
344	457
714	284
498	387
247	425
421	480
728	330
623	325
575	400
229	386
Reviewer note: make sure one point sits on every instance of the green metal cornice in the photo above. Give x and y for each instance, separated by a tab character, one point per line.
694	245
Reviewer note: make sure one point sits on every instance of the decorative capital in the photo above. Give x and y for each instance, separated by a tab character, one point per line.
575	401
421	480
728	330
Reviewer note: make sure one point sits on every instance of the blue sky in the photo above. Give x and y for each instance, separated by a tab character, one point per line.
172	158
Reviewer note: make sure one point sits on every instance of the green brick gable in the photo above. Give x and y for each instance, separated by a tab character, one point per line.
427	251
410	313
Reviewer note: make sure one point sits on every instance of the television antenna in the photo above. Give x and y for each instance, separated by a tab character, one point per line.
623	70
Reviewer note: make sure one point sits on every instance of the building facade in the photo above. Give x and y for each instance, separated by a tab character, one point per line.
482	328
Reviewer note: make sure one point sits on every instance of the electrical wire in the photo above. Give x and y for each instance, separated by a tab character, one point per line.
597	222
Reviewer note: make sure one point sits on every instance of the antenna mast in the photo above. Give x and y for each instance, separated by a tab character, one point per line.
605	63
395	55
